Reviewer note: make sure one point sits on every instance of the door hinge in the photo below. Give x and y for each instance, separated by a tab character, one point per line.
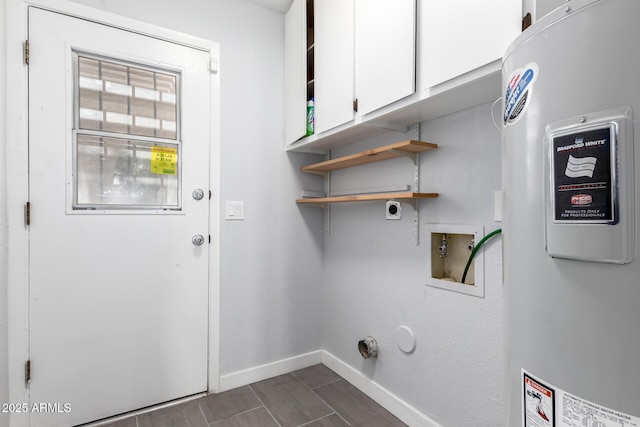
26	52
355	105
27	372
27	213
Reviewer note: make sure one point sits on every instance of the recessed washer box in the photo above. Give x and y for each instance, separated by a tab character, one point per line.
449	247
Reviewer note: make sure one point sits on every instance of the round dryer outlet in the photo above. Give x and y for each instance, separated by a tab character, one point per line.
394	210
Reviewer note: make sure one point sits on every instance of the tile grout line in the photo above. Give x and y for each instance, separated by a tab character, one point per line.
228	418
323	385
347	382
203	414
365	395
330	382
324	401
263	405
233	416
321	418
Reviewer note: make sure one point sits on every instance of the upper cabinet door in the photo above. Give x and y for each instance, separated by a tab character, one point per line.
385	52
334	64
459	36
295	71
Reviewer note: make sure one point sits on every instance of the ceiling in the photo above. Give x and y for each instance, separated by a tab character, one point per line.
278	5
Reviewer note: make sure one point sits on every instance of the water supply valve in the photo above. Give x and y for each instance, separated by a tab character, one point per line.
442	249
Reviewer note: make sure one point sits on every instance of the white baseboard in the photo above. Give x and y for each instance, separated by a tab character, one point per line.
270	370
392	403
398	407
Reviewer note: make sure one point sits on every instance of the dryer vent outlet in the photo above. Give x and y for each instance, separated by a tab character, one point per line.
368	347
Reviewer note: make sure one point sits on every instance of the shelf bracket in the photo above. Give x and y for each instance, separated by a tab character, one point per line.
416	161
327	219
416	210
416	225
416	177
327	189
416	217
412	202
318	205
413	156
324	174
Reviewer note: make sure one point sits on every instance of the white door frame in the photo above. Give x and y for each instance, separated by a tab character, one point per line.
18	191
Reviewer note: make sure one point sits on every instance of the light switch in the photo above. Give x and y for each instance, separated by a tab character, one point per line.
234	210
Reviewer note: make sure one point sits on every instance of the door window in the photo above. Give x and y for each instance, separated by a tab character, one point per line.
126	145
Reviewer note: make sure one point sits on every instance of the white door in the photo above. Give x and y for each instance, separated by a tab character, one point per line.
119	140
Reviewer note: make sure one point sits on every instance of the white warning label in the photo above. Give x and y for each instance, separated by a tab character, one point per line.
539	403
548	406
578	412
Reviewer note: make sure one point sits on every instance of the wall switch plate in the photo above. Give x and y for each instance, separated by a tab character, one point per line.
394	210
234	210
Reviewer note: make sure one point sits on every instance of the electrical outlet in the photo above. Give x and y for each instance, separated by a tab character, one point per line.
394	210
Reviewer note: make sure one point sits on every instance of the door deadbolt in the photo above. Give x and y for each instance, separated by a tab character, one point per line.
197	239
198	194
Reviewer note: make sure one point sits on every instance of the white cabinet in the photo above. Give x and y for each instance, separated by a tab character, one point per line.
385	52
295	71
363	49
366	50
334	63
459	36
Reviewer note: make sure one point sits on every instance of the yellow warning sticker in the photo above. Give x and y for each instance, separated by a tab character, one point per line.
164	160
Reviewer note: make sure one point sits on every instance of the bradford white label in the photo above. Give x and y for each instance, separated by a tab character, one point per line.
583	173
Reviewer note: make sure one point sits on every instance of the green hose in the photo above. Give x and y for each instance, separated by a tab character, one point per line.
475	249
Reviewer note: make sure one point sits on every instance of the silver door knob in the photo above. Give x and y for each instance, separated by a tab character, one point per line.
197	239
198	194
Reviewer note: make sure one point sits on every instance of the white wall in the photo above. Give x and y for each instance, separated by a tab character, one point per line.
375	276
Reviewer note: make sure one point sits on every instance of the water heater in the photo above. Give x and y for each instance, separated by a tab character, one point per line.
571	177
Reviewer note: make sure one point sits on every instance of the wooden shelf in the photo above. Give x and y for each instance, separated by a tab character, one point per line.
406	196
391	151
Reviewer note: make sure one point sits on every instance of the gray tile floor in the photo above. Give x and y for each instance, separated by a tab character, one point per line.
311	397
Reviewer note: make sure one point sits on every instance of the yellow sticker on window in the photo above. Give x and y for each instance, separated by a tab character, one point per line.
164	160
